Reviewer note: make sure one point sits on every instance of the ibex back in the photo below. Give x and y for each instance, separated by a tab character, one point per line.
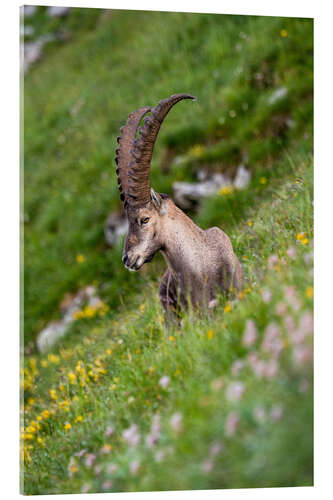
200	263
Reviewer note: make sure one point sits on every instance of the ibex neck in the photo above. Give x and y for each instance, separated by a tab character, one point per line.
183	243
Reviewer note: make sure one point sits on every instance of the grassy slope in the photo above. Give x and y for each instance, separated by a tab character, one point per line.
70	186
77	99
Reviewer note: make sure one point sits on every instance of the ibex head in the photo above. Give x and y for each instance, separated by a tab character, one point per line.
144	207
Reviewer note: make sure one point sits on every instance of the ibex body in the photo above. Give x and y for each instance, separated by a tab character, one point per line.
200	263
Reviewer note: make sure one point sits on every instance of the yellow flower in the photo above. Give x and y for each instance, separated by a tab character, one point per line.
210	334
304	241
53	358
284	33
227	308
46	414
250	223
73	468
263	180
61	387
80	258
197	150
41	441
225	190
53	394
113	387
67	426
309	292
300	236
171	337
31	401
108	352
44	363
72	377
79	418
79	367
28	437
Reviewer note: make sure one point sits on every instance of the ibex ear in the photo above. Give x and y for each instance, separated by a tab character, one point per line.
156	199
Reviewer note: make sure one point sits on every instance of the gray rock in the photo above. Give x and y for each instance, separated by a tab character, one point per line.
242	178
115	228
58	11
55	330
278	94
29	10
187	194
26	30
31	52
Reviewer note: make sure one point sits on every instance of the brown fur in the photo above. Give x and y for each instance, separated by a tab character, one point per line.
200	263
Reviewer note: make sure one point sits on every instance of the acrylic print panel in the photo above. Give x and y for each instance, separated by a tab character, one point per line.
215	392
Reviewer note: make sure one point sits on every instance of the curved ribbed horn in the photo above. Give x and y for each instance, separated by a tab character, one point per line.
123	152
138	188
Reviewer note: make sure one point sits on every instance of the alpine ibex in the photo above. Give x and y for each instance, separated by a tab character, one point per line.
200	263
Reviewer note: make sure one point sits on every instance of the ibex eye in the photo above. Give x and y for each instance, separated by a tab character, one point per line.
145	220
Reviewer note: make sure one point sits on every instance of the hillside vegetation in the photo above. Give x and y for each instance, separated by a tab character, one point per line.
124	402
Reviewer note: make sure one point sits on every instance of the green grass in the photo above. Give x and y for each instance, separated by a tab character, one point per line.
76	99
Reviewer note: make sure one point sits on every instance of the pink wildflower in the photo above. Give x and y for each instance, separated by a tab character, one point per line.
289	323
272	262
306	323
85	488
271	368
212	304
216	448
109	431
207	466
237	367
257	365
291	252
291	298
164	381
90	459
281	309
111	468
134	467
302	354
154	435
250	333
176	422
97	469
231	423
276	413
132	436
272	342
266	295
235	391
107	485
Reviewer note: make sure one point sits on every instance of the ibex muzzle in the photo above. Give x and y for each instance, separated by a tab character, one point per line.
200	263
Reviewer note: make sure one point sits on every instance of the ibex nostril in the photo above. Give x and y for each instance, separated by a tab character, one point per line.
124	259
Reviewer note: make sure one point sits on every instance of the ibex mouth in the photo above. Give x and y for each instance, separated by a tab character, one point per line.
134	265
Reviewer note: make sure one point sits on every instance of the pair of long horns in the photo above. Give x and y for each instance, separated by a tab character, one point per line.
133	156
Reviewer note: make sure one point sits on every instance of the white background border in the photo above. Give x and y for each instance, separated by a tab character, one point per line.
9	198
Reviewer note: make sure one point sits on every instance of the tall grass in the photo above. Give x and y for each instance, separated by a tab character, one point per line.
124	402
